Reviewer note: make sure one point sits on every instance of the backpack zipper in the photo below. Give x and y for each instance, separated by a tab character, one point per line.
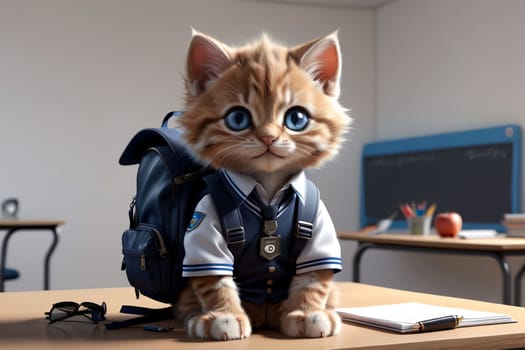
142	262
162	249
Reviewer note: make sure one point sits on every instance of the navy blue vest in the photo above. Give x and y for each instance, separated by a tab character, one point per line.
258	278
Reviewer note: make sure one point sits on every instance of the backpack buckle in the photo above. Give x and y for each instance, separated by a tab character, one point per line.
235	235
304	230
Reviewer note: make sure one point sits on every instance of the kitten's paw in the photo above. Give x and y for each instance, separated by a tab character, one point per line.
311	324
219	326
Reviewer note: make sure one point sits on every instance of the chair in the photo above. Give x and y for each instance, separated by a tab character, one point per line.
10	210
10	274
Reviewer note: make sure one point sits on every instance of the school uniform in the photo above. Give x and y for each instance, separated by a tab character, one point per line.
260	276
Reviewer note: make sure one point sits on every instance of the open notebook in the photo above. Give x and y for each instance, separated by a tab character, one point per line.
412	317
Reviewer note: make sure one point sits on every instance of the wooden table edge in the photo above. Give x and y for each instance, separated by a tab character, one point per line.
497	244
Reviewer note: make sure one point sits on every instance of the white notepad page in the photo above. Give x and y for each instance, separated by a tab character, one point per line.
403	317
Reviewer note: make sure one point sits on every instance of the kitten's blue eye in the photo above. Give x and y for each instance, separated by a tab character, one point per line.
296	119
238	119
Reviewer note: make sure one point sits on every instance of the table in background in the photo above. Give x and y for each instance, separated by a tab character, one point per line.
13	226
23	326
498	248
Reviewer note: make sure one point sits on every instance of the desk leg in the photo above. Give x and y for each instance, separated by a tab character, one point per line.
517	286
4	257
48	257
357	260
506	278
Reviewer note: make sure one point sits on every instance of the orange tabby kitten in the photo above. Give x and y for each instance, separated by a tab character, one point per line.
263	113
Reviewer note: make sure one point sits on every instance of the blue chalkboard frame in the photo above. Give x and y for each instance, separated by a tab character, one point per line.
510	133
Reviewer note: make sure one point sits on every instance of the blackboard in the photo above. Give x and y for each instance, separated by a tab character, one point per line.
475	173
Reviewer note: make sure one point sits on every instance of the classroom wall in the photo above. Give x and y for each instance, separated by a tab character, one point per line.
447	65
79	78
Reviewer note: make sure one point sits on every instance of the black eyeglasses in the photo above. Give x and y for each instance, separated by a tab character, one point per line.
66	309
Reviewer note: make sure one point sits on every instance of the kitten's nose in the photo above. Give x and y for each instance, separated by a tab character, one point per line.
267	140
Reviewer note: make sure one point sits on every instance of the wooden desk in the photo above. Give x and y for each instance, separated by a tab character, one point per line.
23	326
498	248
13	226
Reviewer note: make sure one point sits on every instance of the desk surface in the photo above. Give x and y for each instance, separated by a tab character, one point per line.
15	223
22	325
497	244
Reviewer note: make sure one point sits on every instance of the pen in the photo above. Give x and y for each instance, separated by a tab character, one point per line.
406	210
437	324
421	208
430	210
157	329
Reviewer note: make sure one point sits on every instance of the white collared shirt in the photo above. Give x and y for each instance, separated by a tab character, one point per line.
207	251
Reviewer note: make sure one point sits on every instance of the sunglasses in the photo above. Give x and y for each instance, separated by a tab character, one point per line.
66	309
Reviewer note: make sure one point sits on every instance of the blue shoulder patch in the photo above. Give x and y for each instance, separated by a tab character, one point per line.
195	221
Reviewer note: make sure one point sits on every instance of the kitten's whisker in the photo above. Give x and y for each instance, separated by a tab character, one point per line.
308	155
305	145
225	149
309	149
245	139
238	137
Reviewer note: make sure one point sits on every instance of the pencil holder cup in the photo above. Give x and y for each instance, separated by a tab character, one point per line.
419	225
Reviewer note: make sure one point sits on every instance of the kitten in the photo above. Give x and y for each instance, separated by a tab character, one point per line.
264	113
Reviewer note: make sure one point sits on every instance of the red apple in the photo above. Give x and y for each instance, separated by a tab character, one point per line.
448	224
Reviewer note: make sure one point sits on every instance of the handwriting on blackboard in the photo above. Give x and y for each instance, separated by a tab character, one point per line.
402	160
487	153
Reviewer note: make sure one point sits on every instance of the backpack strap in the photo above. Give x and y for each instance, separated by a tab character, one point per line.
229	214
232	225
147	315
167	117
305	219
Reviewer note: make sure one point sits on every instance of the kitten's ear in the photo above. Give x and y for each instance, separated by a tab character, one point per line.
321	59
207	59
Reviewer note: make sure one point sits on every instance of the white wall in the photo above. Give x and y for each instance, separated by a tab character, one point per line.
79	78
446	65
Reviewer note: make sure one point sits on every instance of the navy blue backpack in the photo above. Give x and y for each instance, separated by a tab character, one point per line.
170	183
